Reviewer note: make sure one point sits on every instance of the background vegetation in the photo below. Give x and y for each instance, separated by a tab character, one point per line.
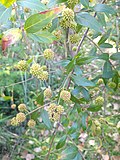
59	80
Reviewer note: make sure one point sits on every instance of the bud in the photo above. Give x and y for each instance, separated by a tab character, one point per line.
99	101
100	81
112	85
31	123
65	95
22	107
20	117
48	54
13	106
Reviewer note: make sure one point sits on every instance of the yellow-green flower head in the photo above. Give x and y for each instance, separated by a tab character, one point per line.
68	14
73	25
48	54
74	38
22	108
100	81
65	95
31	123
22	65
47	93
72	3
55	111
112	85
43	75
35	69
14	122
99	101
20	117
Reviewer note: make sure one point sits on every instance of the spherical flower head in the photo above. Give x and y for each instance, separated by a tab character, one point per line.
99	101
64	24
31	123
43	75
45	2
112	85
65	95
100	81
55	111
72	3
35	69
20	117
47	93
74	38
22	65
48	54
13	106
68	14
14	122
22	108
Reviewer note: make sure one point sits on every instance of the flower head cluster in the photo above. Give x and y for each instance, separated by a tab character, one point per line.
37	71
55	111
48	54
65	95
22	65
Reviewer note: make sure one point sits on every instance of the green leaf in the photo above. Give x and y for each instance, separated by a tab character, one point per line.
85	3
45	118
84	60
115	56
107	70
37	21
84	118
101	19
104	8
69	153
104	37
40	99
32	4
61	142
89	21
70	66
42	37
78	157
104	56
81	81
5	13
106	45
94	108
